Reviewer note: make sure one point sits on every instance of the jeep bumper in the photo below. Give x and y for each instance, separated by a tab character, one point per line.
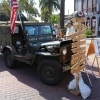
66	68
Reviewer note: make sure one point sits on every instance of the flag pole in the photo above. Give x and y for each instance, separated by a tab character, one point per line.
20	20
22	26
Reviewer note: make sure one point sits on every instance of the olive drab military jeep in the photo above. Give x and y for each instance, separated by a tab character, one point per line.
36	44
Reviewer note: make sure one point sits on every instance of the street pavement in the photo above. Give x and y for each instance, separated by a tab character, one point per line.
23	83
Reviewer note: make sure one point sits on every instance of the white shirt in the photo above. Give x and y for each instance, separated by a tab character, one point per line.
70	30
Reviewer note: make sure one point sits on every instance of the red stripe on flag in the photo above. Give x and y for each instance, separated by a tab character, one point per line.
12	20
14	7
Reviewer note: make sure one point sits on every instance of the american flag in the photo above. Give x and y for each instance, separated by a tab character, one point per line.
14	7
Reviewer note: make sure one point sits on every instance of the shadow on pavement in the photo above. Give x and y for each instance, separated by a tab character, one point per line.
27	75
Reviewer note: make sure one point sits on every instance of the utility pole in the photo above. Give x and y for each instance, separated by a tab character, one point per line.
62	11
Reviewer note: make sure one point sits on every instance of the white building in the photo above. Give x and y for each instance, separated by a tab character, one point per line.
91	9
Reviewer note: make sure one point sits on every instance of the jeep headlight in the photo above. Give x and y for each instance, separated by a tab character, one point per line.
51	49
64	51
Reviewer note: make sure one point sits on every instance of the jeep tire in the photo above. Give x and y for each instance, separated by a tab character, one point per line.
10	63
50	71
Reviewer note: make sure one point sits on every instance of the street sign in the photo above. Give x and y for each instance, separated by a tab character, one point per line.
74	35
77	44
78	57
78	54
75	66
79	26
82	61
81	19
81	67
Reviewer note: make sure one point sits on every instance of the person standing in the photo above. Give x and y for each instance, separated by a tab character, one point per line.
58	32
70	29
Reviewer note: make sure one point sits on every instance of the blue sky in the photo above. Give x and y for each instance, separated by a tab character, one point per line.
69	5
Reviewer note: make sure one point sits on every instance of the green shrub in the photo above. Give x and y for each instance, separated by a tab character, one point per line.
87	33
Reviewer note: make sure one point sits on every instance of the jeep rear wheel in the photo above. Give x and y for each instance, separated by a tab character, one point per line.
10	63
50	71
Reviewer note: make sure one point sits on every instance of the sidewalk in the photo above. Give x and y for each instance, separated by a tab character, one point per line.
88	40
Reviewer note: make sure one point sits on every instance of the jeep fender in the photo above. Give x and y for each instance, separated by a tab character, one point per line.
39	56
6	48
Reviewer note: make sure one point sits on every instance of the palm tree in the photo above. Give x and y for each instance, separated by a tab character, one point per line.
62	10
51	5
44	14
27	6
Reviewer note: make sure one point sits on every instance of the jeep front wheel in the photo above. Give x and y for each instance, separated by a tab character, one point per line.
50	71
10	63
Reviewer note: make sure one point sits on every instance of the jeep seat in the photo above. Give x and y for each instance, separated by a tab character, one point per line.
17	42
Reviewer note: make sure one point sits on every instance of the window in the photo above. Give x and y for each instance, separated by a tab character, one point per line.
89	7
93	23
37	30
30	30
94	6
45	29
89	3
94	3
84	4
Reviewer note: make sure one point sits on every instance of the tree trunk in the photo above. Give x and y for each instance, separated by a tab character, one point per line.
62	11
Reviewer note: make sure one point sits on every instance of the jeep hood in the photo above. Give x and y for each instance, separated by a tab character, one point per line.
57	43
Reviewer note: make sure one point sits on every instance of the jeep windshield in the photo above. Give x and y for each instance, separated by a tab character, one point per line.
38	29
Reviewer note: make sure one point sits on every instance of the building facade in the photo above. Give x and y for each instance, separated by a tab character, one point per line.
91	9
